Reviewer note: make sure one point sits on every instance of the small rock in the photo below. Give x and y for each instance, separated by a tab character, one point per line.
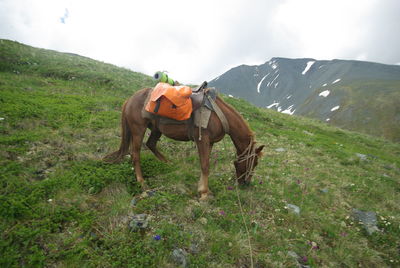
325	190
179	257
151	192
362	157
138	222
280	150
389	167
148	193
298	259
293	254
293	208
194	248
308	133
93	235
133	202
367	219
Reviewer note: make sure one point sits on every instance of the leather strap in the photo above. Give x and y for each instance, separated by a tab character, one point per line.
220	114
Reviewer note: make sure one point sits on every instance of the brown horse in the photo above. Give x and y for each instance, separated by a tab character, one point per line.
134	126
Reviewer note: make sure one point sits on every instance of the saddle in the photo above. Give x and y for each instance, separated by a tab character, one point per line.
177	102
199	98
183	105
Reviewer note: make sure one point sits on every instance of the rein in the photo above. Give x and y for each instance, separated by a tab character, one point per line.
247	155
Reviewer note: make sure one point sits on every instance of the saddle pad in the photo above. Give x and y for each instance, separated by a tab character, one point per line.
169	101
201	117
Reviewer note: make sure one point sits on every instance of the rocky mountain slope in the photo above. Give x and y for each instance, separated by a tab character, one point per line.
356	95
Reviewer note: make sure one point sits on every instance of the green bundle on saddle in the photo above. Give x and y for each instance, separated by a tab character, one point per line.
163	77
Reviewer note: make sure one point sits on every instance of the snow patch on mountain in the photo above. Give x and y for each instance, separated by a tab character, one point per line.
335	108
273	64
289	110
309	64
273	104
274	79
324	93
259	84
337	80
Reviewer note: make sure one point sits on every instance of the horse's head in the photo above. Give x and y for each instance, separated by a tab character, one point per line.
246	163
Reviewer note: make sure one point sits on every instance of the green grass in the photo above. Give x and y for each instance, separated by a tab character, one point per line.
60	205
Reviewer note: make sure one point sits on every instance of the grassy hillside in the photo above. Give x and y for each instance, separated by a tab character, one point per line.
362	107
61	206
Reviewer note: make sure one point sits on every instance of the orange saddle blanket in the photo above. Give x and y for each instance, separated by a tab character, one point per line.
170	101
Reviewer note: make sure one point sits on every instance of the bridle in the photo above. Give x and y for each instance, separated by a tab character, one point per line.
248	156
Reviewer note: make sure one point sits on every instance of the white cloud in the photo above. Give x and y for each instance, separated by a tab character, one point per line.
323	29
199	40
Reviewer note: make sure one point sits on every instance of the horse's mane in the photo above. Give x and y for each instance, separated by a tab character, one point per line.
234	111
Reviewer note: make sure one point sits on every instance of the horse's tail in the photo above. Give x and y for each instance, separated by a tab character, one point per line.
126	135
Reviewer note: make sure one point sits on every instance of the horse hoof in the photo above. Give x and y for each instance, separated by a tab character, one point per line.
243	183
144	187
204	197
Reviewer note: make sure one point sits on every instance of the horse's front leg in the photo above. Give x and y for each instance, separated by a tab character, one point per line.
204	147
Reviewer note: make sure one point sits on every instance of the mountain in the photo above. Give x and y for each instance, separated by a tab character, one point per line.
355	95
62	206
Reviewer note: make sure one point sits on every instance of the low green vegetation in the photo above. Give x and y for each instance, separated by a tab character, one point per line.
62	206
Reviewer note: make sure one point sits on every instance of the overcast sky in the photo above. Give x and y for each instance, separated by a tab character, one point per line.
199	40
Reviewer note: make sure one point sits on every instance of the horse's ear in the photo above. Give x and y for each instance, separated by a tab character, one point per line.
259	149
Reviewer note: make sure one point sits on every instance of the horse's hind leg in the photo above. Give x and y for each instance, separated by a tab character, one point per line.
152	144
137	139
